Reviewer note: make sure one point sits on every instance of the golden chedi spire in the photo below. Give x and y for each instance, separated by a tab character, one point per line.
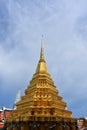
42	67
42	49
41	101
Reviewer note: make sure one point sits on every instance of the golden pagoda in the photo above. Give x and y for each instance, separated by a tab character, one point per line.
41	108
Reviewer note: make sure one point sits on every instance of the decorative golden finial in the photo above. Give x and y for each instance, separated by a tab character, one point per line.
42	67
42	41
42	49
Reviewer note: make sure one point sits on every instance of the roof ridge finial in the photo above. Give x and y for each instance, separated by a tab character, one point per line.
42	49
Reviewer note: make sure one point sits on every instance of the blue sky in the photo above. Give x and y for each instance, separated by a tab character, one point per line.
64	26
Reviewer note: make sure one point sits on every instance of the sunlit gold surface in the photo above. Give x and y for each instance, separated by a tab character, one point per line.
41	100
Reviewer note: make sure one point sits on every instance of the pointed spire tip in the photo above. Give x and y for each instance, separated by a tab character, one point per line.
42	41
42	49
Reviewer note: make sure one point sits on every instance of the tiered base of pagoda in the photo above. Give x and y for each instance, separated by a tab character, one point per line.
43	123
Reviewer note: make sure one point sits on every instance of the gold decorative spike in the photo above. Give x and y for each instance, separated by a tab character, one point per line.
42	67
42	49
